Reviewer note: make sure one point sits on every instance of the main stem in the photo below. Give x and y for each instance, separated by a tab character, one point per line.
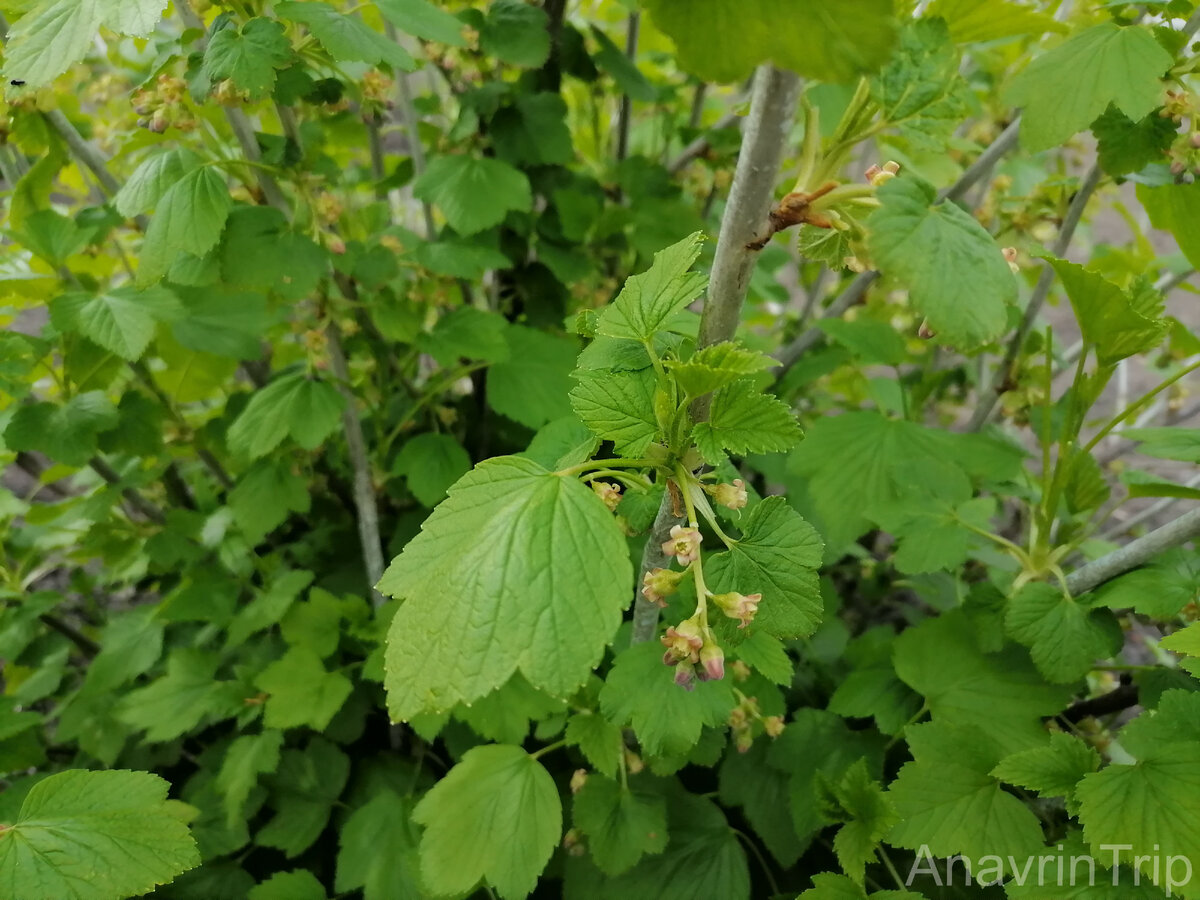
1133	554
773	103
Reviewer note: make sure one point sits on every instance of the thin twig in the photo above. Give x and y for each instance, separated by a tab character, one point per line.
1147	514
86	645
700	145
131	495
989	394
1133	554
626	111
776	95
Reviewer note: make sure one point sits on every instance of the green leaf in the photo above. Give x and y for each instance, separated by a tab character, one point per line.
136	17
430	463
1119	325
152	179
188	218
748	780
625	73
533	131
225	324
989	20
532	385
473	193
178	701
619	407
715	366
1127	146
495	816
872	342
1052	770
301	691
868	814
1159	589
920	88
1147	809
249	55
933	534
723	40
94	836
778	556
1070	856
1166	443
640	692
948	801
466	333
307	409
516	33
648	301
67	433
1174	208
49	39
377	851
1064	637
121	320
424	20
345	38
304	789
956	276
248	757
265	497
621	825
300	884
1064	90
872	688
744	420
1000	694
598	739
476	610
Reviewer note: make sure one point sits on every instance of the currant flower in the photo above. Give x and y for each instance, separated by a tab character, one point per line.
608	492
684	544
683	642
712	660
732	495
738	606
658	584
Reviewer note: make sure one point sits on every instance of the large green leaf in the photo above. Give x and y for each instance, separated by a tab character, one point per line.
188	218
152	179
301	691
121	320
377	851
621	825
532	384
66	433
94	836
1175	208
248	55
778	556
956	276
1064	638
1118	324
1064	90
1052	770
640	692
989	20
506	574
723	40
649	300
430	463
473	192
345	38
424	20
495	816
303	407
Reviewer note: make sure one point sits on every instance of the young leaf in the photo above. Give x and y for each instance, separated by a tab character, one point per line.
618	407
723	40
1052	770
177	701
1127	146
248	55
377	851
955	274
1166	443
476	609
715	366
430	463
1065	90
307	409
868	814
920	88
1064	638
474	193
345	38
649	300
495	816
301	691
121	320
744	420
300	884
1117	324
641	692
94	836
621	825
67	433
598	739
248	757
777	555
188	219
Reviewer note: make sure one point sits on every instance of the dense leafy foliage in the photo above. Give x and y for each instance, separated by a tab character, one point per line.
387	512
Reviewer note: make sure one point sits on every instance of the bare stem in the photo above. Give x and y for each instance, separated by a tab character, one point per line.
626	111
1133	554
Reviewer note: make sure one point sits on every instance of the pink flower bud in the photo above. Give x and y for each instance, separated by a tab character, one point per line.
683	643
684	544
608	492
658	584
871	173
713	660
925	332
685	675
738	606
731	496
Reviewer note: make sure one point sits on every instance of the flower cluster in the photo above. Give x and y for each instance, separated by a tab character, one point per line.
690	644
746	721
163	105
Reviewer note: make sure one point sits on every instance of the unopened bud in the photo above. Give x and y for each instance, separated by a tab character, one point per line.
685	675
578	779
573	843
1010	257
633	762
731	496
608	492
884	175
925	332
713	660
870	174
773	725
